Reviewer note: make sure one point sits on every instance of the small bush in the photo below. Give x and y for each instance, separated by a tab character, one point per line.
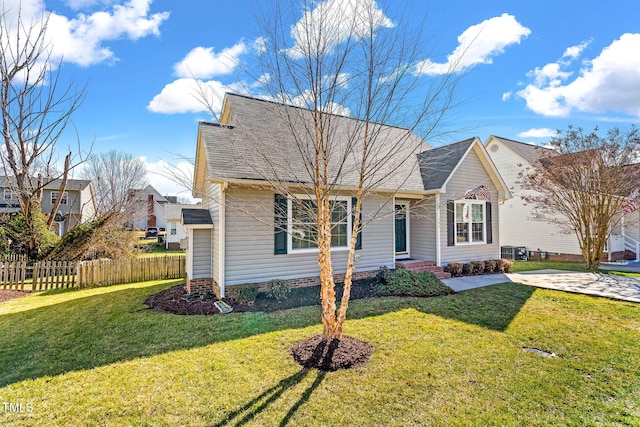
467	269
499	266
507	265
454	268
244	294
490	266
382	275
405	283
477	267
278	290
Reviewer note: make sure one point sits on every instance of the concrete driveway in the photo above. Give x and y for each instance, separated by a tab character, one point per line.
597	284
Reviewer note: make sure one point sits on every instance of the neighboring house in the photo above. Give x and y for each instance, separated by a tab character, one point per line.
146	208
518	227
78	204
175	229
440	205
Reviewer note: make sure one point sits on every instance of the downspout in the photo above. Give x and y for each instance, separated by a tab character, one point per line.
222	232
438	256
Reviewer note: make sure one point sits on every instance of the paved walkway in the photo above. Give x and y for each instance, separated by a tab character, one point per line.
604	285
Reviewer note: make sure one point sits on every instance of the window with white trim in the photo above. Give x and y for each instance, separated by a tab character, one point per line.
470	221
8	195
303	228
63	201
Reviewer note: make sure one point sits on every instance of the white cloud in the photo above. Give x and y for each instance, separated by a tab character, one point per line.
506	96
538	133
573	52
80	39
478	44
204	63
184	96
609	82
332	22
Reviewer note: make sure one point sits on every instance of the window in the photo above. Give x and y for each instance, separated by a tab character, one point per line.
54	197
303	229
174	229
8	195
470	222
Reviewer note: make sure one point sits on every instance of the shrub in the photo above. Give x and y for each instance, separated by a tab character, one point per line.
278	290
405	283
454	268
499	266
244	294
467	269
382	275
477	267
490	266
507	265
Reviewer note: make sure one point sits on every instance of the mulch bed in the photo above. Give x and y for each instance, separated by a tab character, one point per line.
7	294
176	300
318	353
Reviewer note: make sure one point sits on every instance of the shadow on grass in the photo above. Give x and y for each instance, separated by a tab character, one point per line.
88	332
247	412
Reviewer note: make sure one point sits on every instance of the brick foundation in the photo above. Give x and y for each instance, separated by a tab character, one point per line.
203	285
313	281
173	246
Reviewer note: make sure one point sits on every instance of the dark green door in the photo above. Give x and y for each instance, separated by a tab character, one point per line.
401	228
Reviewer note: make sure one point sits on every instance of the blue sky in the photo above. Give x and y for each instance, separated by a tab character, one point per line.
533	67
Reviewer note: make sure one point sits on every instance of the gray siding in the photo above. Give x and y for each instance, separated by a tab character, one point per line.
201	253
250	240
211	201
469	174
422	229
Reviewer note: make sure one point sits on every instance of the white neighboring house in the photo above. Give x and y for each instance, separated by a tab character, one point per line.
175	228
517	228
146	207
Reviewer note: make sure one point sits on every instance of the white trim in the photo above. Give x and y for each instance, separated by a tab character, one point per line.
438	244
483	203
222	230
406	254
64	201
290	249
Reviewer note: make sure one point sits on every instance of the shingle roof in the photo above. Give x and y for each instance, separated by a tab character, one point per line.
437	164
264	140
529	152
196	217
72	184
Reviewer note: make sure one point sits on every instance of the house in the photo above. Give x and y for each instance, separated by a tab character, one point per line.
518	228
175	229
431	206
146	208
77	204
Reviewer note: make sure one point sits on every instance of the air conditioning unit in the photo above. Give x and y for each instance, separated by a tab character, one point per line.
517	253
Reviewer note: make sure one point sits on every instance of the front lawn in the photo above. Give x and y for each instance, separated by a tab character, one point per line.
519	266
99	357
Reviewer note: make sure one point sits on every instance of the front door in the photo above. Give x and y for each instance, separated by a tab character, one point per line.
402	229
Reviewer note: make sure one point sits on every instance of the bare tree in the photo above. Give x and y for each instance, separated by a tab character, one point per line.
584	183
35	107
114	174
345	62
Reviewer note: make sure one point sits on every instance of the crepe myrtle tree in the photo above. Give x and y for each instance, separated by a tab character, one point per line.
341	59
584	183
35	109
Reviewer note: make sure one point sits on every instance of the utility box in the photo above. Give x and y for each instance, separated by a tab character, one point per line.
516	253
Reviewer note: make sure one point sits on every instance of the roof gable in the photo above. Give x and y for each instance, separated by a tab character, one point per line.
529	152
437	164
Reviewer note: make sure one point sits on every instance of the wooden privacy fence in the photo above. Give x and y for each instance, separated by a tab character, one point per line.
104	272
46	275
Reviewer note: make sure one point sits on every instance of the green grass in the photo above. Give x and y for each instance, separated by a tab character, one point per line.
98	357
519	266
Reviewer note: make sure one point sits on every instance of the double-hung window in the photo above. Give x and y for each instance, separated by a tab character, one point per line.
55	195
470	221
8	195
303	228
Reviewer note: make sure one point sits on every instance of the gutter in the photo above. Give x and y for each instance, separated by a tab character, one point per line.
224	185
